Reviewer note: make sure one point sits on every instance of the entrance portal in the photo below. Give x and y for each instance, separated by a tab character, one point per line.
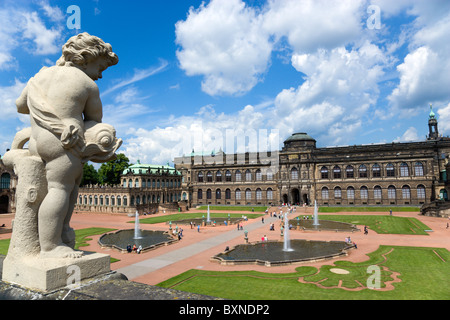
4	202
295	196
305	199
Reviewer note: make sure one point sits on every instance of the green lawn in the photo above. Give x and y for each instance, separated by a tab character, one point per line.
423	274
186	216
383	224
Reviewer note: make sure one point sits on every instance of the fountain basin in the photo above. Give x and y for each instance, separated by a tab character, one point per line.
196	221
271	253
323	225
148	239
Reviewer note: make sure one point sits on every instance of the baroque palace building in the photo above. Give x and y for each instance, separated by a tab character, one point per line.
412	173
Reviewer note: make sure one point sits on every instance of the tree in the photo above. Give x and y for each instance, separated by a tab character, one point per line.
90	175
110	172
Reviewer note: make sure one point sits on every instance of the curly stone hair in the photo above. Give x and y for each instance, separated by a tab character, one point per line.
84	48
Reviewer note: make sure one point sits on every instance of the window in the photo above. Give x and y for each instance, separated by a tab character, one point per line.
238	194
258	194
364	193
349	171
248	175
337	192
325	193
119	201
420	192
209	176
219	176
294	174
5	181
404	170
208	194
125	201
362	171
228	176
248	194
418	169
324	172
376	171
406	192
130	183
377	192
269	194
269	175
390	170
218	194
391	192
258	175
136	183
238	176
350	193
96	200
113	201
228	194
336	172
200	176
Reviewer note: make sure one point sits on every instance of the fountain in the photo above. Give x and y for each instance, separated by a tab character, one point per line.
208	218
287	241
316	214
137	230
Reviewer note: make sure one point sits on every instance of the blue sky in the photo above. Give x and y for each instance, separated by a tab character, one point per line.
202	75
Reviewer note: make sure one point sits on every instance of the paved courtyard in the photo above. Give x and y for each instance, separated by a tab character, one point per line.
196	248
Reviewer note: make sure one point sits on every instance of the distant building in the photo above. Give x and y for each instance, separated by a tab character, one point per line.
412	173
144	188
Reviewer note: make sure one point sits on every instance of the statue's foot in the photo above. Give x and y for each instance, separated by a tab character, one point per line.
62	251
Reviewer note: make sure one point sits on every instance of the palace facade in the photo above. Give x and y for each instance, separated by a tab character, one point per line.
412	173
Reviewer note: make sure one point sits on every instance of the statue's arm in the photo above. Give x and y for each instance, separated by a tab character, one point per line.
21	102
93	110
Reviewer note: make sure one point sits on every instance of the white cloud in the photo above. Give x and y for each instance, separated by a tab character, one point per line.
45	40
223	42
408	136
8	97
444	120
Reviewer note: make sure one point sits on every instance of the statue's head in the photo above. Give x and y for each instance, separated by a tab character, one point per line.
83	49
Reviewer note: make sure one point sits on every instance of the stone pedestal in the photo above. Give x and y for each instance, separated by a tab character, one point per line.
52	274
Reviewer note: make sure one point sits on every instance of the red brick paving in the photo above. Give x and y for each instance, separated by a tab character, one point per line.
366	243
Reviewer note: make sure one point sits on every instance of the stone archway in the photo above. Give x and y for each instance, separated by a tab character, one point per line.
305	199
4	204
285	198
295	196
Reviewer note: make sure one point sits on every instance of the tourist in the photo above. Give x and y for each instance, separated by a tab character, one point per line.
198	228
138	250
356	247
134	247
366	230
262	219
129	248
265	238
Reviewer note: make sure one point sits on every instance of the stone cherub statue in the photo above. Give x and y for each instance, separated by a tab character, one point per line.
65	110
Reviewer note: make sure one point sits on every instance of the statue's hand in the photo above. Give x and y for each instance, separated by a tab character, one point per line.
71	139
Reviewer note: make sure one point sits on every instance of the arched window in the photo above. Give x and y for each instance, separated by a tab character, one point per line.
106	201
219	176
418	169
90	200
124	183
406	192
119	201
228	176
390	170
96	200
404	170
337	193
218	194
113	201
258	194
238	194
80	200
248	194
294	174
420	192
350	193
364	193
324	172
362	171
208	194
238	176
136	183
157	184
269	194
125	201
349	172
336	172
130	183
258	175
325	193
391	192
101	200
138	200
248	175
200	177
227	194
377	192
376	170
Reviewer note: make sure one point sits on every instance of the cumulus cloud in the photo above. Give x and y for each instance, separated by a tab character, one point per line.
223	42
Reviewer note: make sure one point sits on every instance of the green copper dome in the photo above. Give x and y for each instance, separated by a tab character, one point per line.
432	115
301	136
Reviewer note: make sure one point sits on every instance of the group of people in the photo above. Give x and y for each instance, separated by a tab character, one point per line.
134	248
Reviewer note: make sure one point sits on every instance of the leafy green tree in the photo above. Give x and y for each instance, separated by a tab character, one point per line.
110	172
90	175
